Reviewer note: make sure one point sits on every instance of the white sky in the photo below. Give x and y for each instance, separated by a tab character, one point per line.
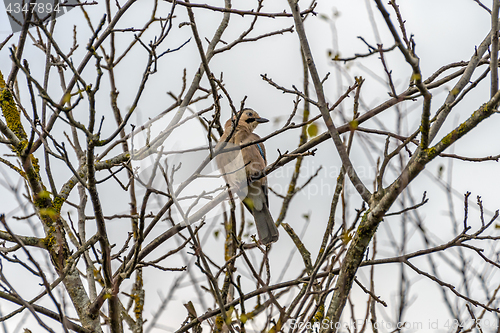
445	31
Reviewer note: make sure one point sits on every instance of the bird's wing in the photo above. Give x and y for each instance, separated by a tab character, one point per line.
254	156
260	146
255	163
262	151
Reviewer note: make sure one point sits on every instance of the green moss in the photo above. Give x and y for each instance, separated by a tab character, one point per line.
36	165
10	111
243	318
48	211
318	316
462	129
33	173
447	139
50	240
218	323
139	306
57	203
346	237
431	152
65	191
42	201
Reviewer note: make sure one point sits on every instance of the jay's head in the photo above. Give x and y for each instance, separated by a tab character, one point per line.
247	118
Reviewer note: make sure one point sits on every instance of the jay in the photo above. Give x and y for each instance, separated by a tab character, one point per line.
242	170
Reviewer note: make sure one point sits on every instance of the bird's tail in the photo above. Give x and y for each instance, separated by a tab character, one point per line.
268	233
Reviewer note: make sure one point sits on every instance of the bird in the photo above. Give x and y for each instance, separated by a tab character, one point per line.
243	169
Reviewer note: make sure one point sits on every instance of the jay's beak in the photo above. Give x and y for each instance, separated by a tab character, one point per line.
261	120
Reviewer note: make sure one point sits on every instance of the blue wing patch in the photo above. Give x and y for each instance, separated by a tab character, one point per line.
261	151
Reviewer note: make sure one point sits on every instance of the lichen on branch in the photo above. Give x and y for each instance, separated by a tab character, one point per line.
10	111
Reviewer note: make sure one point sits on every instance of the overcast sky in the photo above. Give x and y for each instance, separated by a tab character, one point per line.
444	30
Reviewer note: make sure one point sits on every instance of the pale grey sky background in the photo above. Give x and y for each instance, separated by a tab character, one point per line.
445	31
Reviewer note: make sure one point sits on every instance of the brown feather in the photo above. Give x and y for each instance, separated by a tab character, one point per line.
242	168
